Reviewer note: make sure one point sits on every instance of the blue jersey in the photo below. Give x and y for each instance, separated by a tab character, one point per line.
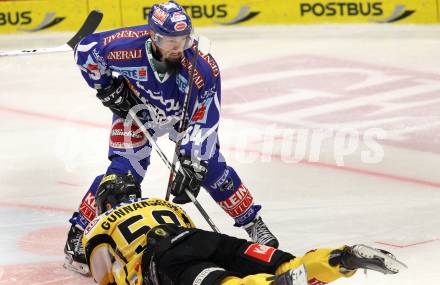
127	52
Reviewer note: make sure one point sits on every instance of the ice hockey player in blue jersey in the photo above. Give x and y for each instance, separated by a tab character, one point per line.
150	64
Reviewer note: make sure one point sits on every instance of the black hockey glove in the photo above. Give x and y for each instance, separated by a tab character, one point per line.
189	177
118	97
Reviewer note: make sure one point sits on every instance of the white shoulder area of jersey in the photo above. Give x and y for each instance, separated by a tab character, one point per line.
92	225
85	47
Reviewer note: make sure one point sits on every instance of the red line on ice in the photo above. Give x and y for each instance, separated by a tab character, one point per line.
68	183
407	245
35	207
347	169
51	117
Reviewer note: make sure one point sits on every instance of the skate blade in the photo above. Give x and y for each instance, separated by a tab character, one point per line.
390	262
77	267
299	275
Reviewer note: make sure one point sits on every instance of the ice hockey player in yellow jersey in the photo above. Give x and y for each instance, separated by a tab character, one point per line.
137	241
117	236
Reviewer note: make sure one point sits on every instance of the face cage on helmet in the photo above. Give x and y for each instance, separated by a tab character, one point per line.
177	42
116	200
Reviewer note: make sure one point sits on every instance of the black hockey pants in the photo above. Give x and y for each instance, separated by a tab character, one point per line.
206	258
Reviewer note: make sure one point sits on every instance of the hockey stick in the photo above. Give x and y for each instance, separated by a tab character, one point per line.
172	167
183	122
164	158
91	23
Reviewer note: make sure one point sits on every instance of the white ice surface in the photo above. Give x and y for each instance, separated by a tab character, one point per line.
54	142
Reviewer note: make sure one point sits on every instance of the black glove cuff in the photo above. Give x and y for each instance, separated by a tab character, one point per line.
190	177
118	97
196	169
113	95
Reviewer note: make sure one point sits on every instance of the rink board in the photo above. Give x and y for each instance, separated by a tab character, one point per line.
67	15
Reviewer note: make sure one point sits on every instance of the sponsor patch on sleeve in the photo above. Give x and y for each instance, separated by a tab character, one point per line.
88	207
260	251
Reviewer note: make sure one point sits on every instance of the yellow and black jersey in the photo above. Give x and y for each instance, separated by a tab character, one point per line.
114	241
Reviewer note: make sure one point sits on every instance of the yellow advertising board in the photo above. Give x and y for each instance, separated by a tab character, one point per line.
42	15
112	13
362	11
267	12
202	13
68	15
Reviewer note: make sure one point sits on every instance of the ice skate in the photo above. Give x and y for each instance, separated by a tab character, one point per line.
259	233
75	258
365	257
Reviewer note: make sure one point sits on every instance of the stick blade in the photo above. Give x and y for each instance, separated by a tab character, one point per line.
90	25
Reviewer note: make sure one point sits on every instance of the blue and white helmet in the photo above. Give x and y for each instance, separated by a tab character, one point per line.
169	19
